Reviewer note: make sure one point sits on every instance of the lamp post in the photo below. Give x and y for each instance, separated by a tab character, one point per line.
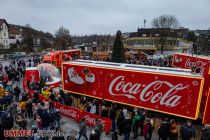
144	23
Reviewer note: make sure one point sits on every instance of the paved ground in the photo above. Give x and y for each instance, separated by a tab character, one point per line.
70	128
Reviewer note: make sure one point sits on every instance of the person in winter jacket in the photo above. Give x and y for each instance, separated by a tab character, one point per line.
127	126
164	129
205	134
135	124
82	129
34	110
147	130
112	116
120	121
98	127
39	122
17	92
57	117
173	134
13	108
60	137
142	119
23	106
188	131
21	121
115	135
29	109
9	121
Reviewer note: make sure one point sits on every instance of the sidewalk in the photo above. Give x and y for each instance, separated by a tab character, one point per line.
71	128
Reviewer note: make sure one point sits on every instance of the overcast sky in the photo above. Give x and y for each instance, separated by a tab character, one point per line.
102	16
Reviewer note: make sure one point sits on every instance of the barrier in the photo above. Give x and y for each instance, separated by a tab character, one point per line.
74	113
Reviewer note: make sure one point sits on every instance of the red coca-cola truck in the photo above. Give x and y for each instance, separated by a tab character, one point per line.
189	61
168	90
57	57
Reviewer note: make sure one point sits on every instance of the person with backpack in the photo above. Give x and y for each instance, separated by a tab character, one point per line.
188	131
136	124
164	130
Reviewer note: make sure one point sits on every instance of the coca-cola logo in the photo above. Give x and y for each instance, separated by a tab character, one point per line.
68	112
196	64
177	59
153	92
92	120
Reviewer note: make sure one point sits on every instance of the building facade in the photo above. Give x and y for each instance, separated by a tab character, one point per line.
148	41
4	35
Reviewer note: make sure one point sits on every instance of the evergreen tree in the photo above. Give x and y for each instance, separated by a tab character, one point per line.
118	54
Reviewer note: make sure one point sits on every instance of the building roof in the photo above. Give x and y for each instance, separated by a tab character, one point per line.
3	21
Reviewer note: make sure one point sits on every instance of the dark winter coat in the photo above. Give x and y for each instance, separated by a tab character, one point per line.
127	125
188	132
205	135
164	130
112	113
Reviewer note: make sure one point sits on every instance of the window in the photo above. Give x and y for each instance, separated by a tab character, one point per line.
5	34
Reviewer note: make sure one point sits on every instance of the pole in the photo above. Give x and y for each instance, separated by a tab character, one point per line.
144	23
197	45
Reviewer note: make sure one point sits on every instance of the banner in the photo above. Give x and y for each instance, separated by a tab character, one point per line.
90	118
171	94
68	111
77	114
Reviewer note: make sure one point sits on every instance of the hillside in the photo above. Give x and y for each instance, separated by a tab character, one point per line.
18	29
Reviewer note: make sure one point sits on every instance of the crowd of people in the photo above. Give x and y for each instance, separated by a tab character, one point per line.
163	62
18	110
128	121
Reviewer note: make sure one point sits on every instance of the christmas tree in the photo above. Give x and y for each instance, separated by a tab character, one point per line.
118	54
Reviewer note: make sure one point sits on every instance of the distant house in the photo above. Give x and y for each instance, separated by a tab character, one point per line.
16	33
37	42
15	43
4	35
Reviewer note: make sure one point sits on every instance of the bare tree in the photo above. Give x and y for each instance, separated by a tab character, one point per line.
28	39
63	38
164	24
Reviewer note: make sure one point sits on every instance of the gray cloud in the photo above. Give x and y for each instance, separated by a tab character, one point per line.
102	16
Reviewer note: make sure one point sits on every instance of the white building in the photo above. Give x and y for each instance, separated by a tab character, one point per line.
4	35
